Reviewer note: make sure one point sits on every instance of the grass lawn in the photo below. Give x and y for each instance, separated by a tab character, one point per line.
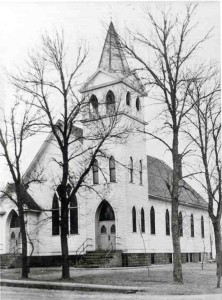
159	282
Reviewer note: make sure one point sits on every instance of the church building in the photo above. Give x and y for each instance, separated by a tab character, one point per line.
130	224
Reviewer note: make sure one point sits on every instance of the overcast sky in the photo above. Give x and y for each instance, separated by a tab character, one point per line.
21	25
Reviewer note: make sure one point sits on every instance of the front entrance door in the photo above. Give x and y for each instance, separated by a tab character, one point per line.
107	235
106	230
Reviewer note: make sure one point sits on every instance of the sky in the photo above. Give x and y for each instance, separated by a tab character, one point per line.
22	23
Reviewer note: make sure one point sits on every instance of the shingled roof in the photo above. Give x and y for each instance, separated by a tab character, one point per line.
159	173
27	198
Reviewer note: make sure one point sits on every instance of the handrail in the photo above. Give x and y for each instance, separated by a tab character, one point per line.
83	246
110	249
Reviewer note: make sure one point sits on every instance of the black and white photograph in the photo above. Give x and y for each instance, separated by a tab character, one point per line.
110	150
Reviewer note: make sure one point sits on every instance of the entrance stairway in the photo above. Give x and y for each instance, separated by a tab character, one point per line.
101	258
10	260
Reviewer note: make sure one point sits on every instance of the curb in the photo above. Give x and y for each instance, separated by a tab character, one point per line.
70	286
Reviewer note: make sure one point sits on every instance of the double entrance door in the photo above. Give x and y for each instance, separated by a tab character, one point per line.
107	235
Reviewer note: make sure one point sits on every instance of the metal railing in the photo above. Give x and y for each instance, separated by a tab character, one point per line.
81	250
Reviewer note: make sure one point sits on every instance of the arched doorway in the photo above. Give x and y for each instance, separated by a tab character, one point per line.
105	227
14	233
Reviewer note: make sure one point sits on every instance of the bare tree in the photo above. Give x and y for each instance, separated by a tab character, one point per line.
51	77
15	130
165	61
205	132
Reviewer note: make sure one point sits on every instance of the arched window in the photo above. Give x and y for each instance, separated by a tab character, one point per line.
128	99
180	220
106	213
113	229
95	170
192	225
134	218
93	104
142	220
202	226
110	103
55	215
167	222
73	215
152	220
141	171
103	229
14	220
138	103
131	169
112	169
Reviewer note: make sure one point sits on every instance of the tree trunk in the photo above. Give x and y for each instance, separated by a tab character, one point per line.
64	241
217	233
177	264
25	267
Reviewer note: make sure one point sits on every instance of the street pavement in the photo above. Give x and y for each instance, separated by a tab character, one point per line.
15	293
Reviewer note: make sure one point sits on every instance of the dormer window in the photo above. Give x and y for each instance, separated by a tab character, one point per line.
138	104
110	103
128	99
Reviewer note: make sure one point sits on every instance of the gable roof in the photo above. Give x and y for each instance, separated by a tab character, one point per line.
159	173
27	198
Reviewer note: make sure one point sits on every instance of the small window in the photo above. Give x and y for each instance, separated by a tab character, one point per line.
138	104
131	169
200	257
141	171
93	104
13	235
113	229
167	222
180	220
128	99
202	227
142	220
103	229
95	172
152	258
110	103
134	218
112	169
152	220
191	225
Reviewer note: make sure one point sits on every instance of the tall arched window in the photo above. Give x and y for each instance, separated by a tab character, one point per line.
55	215
110	103
152	220
112	169
192	225
141	171
167	222
138	103
128	99
134	218
180	220
93	104
95	170
142	220
73	215
202	226
131	169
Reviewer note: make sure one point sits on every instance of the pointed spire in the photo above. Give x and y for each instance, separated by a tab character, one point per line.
112	57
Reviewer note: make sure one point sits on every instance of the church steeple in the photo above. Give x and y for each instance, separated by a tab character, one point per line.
112	57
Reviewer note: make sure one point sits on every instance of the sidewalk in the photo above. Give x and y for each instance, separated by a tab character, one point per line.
70	286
